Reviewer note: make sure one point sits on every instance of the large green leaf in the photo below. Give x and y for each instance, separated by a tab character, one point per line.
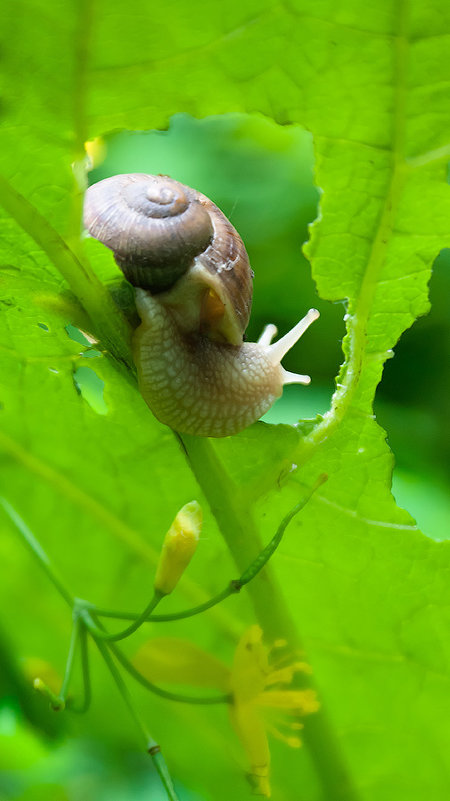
366	590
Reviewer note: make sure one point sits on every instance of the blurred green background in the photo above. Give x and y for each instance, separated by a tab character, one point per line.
261	176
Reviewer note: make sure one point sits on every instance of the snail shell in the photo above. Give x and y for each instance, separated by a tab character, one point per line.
160	230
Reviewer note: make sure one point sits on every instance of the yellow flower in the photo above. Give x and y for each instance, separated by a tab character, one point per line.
257	690
178	547
258	687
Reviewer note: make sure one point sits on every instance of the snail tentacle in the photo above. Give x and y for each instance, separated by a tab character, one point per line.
280	348
270	331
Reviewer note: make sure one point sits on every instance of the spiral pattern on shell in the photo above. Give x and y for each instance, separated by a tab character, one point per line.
154	225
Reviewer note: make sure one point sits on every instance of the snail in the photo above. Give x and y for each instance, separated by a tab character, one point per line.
193	288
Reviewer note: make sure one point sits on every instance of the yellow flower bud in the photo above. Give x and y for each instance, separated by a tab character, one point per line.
178	547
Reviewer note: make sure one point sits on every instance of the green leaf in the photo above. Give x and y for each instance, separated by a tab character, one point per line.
366	591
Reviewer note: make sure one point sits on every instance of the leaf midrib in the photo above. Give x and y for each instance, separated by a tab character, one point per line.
349	379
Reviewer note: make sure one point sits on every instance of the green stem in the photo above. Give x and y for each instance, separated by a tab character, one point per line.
55	701
261	560
70	660
58	701
237	526
233	587
84	706
121	635
163	772
37	551
242	538
110	325
183	699
123	690
151	745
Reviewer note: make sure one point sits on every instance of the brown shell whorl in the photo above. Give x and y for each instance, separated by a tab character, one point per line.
154	225
227	271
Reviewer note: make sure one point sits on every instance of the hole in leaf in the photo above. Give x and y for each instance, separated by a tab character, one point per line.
412	406
80	336
90	387
260	174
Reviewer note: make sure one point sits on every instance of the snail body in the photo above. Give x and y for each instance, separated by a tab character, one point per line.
193	294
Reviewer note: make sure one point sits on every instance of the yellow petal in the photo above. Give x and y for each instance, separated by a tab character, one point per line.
250	666
251	731
286	674
179	661
292	740
280	676
302	701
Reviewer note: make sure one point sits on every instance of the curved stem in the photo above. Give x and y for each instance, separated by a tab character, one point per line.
129	667
233	587
85	704
70	660
59	702
183	699
195	610
261	561
121	635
